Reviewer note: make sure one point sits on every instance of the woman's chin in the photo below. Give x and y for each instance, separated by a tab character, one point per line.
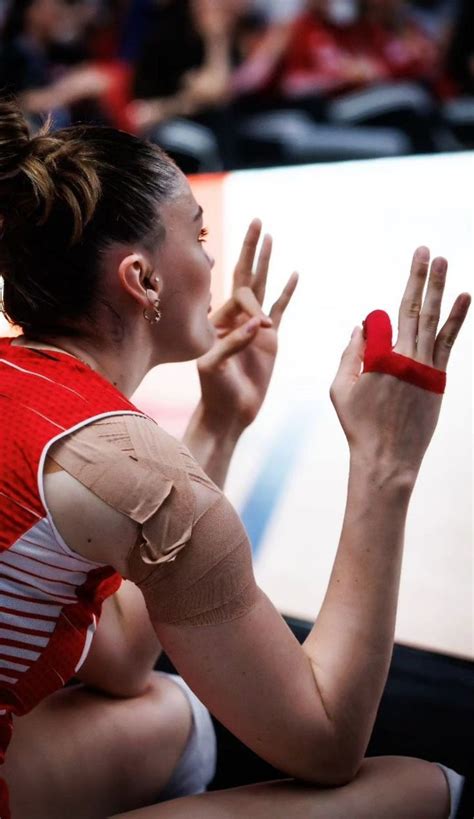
206	341
200	345
197	345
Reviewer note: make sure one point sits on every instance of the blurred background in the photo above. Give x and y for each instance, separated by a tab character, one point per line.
231	84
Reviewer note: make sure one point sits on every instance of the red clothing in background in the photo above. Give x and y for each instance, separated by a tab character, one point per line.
324	58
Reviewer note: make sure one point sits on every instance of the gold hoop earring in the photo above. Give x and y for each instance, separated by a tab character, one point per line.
154	319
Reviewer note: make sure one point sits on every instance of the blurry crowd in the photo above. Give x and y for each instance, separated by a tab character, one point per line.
225	84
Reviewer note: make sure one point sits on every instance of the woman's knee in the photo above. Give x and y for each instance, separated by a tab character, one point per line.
420	786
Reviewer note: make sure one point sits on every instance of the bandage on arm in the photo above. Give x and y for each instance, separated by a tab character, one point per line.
191	556
380	358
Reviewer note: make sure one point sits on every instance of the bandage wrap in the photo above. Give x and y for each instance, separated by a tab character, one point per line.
380	358
192	558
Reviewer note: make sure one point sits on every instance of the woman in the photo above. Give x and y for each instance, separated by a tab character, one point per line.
106	273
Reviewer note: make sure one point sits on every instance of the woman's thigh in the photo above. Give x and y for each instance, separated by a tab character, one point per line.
86	755
385	788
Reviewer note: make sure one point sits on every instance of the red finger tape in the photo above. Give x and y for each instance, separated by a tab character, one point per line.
380	358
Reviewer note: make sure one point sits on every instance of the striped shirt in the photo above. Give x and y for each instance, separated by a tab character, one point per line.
50	596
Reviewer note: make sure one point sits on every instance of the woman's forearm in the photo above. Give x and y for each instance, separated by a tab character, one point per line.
125	648
350	645
212	443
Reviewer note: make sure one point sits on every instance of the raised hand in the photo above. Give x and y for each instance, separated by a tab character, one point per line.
236	371
384	418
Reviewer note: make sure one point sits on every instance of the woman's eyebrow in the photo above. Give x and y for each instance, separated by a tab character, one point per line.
198	214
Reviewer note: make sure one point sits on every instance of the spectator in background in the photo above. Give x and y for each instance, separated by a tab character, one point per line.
264	37
44	59
325	53
184	69
333	49
390	33
185	61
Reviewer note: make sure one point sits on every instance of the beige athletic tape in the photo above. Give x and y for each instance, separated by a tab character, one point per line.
134	472
135	467
212	581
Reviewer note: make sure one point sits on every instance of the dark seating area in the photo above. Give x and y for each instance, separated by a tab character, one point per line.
248	83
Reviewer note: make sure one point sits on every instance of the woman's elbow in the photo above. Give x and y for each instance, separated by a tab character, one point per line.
122	683
328	765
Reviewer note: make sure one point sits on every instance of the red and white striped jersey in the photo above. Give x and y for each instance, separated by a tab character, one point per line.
50	596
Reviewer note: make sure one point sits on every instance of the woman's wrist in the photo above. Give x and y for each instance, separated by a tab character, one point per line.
212	440
387	476
221	426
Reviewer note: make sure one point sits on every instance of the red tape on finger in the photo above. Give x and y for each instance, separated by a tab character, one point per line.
380	358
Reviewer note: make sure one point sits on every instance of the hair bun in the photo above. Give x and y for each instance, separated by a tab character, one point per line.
55	171
14	137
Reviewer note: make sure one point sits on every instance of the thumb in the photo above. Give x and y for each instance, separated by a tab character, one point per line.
232	343
352	358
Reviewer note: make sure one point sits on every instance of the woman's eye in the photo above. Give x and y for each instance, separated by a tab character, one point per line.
203	234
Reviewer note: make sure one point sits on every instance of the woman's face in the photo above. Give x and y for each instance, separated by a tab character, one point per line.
184	267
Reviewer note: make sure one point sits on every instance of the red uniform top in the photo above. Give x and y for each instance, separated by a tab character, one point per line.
325	58
50	596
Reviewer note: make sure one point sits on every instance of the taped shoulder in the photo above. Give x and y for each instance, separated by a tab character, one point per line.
139	470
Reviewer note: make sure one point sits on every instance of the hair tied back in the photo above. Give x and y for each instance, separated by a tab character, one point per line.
58	172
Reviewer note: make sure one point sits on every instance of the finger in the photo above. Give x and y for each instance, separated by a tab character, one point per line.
260	279
231	344
244	266
430	312
283	301
449	331
411	303
243	301
350	366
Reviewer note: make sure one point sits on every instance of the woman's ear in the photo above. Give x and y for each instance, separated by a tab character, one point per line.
136	276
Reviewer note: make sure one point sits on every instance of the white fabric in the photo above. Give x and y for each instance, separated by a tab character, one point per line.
197	765
456	784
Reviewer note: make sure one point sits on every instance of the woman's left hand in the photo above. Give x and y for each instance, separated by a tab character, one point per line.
236	371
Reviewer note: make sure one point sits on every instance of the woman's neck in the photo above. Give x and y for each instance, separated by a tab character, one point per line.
125	371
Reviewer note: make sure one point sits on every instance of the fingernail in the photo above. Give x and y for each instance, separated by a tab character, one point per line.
440	264
267	321
252	325
422	254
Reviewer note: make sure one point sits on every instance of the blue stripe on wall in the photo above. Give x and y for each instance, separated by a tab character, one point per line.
273	477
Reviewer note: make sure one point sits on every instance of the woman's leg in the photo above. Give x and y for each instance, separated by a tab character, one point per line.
85	755
385	788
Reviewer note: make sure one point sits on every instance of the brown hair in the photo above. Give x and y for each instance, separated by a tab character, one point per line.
65	196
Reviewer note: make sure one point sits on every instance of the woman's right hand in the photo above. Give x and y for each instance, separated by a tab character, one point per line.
387	421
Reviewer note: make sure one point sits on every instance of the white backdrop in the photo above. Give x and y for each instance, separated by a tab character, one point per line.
350	229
